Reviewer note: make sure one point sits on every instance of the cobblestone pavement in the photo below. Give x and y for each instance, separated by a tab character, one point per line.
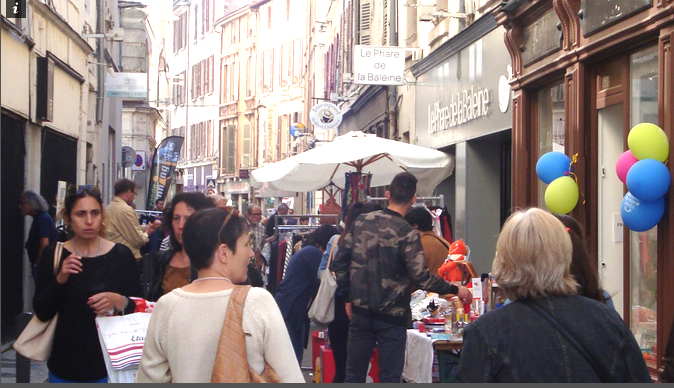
38	370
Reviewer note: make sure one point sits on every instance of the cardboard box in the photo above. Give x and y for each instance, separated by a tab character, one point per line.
327	366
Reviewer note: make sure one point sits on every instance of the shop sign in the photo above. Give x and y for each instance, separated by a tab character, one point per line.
465	106
379	65
126	85
325	115
597	15
237	187
542	37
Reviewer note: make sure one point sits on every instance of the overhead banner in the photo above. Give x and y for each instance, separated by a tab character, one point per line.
164	161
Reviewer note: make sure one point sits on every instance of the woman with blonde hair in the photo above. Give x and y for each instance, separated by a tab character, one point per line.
548	333
95	276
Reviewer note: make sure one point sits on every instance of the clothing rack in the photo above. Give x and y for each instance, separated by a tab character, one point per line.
148	212
437	201
304	229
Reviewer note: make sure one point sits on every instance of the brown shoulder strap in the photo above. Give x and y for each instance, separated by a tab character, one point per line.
58	252
231	360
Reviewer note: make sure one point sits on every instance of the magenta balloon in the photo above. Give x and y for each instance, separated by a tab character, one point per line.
623	165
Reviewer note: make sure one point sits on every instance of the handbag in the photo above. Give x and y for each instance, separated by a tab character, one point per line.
231	360
601	372
35	341
322	310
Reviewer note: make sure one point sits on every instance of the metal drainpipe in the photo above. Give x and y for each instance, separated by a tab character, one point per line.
99	68
392	90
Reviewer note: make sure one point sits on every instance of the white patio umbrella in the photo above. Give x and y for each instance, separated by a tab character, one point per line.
355	151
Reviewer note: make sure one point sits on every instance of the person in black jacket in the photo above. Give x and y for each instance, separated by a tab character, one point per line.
95	276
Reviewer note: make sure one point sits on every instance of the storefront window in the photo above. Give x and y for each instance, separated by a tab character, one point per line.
643	245
550	127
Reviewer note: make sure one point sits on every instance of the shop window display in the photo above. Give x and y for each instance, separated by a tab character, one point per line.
550	127
643	245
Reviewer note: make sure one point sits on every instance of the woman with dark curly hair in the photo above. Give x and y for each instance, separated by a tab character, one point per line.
95	276
171	268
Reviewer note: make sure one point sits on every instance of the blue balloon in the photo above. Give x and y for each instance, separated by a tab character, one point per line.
641	216
552	165
648	179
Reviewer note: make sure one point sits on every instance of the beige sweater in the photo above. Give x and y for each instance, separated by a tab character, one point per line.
185	327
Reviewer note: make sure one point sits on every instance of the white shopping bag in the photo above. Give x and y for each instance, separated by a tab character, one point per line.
122	338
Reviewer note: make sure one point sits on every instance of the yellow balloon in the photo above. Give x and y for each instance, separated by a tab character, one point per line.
648	141
561	196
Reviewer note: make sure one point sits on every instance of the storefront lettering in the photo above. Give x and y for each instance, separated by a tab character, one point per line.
465	106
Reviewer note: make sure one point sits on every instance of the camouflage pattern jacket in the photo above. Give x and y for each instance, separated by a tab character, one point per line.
379	257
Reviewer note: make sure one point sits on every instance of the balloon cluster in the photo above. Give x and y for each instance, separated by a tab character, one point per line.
561	195
647	178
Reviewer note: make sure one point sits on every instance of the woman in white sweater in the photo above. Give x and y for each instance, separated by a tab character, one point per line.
183	335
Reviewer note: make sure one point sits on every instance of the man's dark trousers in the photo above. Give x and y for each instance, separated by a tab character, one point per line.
365	331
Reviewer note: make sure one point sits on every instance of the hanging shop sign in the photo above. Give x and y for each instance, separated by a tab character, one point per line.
325	115
126	85
379	65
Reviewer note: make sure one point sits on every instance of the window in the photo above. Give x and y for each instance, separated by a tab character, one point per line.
249	74
196	19
179	89
268	70
297	60
244	27
205	16
644	245
224	81
269	17
180	32
235	31
234	79
550	128
287	10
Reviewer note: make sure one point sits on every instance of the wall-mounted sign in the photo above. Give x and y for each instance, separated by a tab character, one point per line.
126	85
139	163
325	115
379	65
465	106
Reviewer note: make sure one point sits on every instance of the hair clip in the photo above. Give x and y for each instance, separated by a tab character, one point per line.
568	229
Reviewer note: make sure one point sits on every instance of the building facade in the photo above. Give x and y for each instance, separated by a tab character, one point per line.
584	74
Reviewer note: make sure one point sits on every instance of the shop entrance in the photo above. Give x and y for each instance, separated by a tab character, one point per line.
610	122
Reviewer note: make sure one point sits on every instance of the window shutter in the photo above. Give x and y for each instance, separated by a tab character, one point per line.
231	149
365	21
212	79
245	161
384	14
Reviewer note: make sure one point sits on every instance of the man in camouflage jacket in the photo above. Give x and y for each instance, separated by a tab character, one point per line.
379	256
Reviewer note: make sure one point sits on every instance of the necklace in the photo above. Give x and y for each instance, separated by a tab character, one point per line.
211	278
91	254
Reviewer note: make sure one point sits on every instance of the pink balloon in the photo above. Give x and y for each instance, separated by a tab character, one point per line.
623	165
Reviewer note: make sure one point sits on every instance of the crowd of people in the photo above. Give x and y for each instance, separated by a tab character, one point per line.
212	260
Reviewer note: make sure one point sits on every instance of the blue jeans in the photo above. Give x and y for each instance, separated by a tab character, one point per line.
364	332
55	379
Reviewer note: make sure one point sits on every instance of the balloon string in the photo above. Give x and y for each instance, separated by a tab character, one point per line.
574	159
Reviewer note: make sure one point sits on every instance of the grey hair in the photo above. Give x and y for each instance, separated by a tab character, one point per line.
283	205
533	256
35	201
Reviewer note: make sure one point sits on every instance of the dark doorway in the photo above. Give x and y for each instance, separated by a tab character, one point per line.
13	161
59	163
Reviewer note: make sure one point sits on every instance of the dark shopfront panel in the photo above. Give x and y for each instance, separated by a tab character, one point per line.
582	97
13	161
58	163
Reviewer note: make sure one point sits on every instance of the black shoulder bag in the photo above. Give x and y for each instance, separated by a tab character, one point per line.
598	369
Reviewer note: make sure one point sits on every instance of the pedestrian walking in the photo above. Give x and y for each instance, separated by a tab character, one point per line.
122	225
42	231
299	286
548	334
96	276
338	329
187	323
380	255
171	268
